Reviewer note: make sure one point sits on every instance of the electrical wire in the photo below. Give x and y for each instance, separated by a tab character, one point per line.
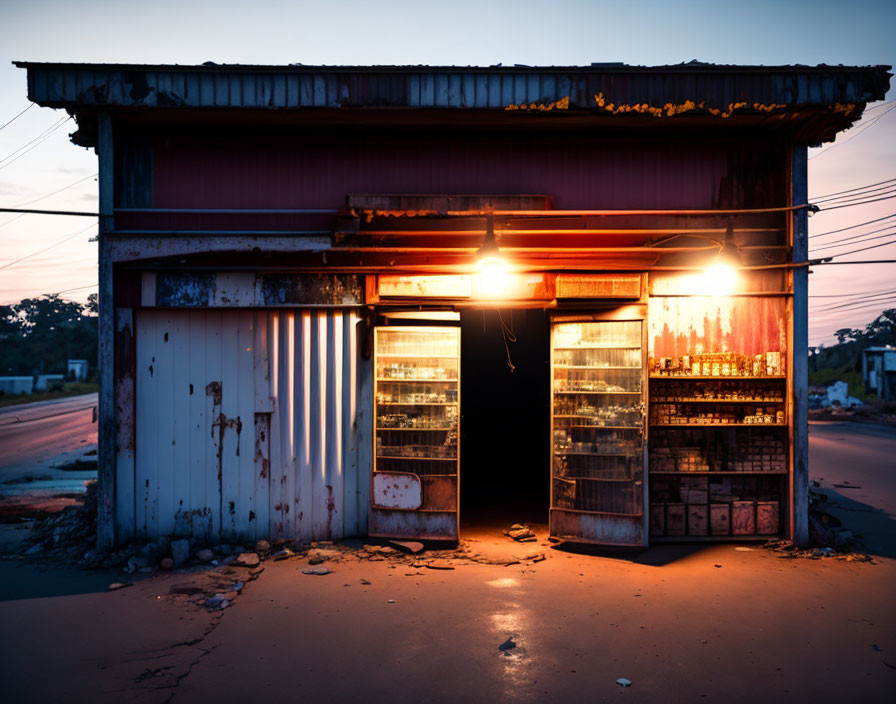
851	205
70	290
509	336
45	138
845	295
849	304
862	234
46	249
6	124
864	127
859	197
836	194
32	141
853	227
865	249
21	205
853	240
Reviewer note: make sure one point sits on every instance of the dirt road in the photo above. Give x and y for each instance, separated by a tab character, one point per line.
35	437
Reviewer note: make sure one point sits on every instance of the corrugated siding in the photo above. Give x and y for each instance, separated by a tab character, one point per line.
249	425
445	87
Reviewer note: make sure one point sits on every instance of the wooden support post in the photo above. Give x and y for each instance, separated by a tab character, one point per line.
799	517
105	525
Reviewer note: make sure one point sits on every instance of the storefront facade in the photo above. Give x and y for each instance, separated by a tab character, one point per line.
289	329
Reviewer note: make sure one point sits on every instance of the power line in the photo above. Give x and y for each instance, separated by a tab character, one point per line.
43	133
853	227
853	240
856	197
70	290
871	300
862	234
30	105
850	190
849	205
845	295
45	138
46	249
864	127
864	249
19	205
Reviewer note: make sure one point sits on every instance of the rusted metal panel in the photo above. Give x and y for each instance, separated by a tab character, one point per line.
606	529
208	463
591	172
422	525
125	423
397	490
439	493
664	89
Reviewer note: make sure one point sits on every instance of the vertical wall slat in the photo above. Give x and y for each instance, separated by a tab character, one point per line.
246	517
125	417
275	515
263	395
229	423
306	337
196	465
179	342
349	426
214	373
146	429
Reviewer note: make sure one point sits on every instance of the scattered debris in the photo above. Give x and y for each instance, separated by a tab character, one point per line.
365	581
521	533
247	559
205	555
507	646
217	602
316	560
439	565
624	682
391	601
283	554
262	547
115	586
166	563
408	546
317	570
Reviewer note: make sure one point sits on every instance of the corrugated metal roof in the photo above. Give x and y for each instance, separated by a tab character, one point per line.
495	87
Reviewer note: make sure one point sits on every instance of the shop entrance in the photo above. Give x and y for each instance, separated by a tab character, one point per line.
505	449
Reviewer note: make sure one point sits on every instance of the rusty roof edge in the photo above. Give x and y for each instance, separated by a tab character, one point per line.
597	69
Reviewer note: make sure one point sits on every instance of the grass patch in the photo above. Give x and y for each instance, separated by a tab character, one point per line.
72	388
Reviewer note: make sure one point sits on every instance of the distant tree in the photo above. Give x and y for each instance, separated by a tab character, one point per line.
843	334
42	334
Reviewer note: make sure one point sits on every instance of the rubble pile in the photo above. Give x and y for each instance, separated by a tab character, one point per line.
65	534
827	537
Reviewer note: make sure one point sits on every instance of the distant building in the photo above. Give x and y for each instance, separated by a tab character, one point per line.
15	385
77	369
879	372
45	381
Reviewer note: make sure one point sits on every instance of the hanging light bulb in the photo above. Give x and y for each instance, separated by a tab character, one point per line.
720	276
492	272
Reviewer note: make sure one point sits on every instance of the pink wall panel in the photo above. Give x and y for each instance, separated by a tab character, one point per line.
318	171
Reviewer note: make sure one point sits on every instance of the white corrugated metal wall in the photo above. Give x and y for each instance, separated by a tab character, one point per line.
249	424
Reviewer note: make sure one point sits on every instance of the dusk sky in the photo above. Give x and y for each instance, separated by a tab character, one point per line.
564	32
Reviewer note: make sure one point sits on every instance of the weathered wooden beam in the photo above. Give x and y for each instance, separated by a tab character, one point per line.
799	521
105	525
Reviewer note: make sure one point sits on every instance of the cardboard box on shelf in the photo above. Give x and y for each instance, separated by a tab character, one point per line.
720	519
675	519
743	518
767	521
698	515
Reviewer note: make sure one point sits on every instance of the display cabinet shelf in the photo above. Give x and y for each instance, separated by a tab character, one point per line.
417	436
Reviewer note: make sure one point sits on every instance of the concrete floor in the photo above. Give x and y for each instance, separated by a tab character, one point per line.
682	623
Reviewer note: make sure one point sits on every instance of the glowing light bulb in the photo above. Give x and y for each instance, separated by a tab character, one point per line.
720	279
493	278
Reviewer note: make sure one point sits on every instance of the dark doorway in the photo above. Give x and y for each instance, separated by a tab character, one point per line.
505	449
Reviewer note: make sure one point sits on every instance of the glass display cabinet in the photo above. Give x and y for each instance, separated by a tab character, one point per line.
597	431
416	458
